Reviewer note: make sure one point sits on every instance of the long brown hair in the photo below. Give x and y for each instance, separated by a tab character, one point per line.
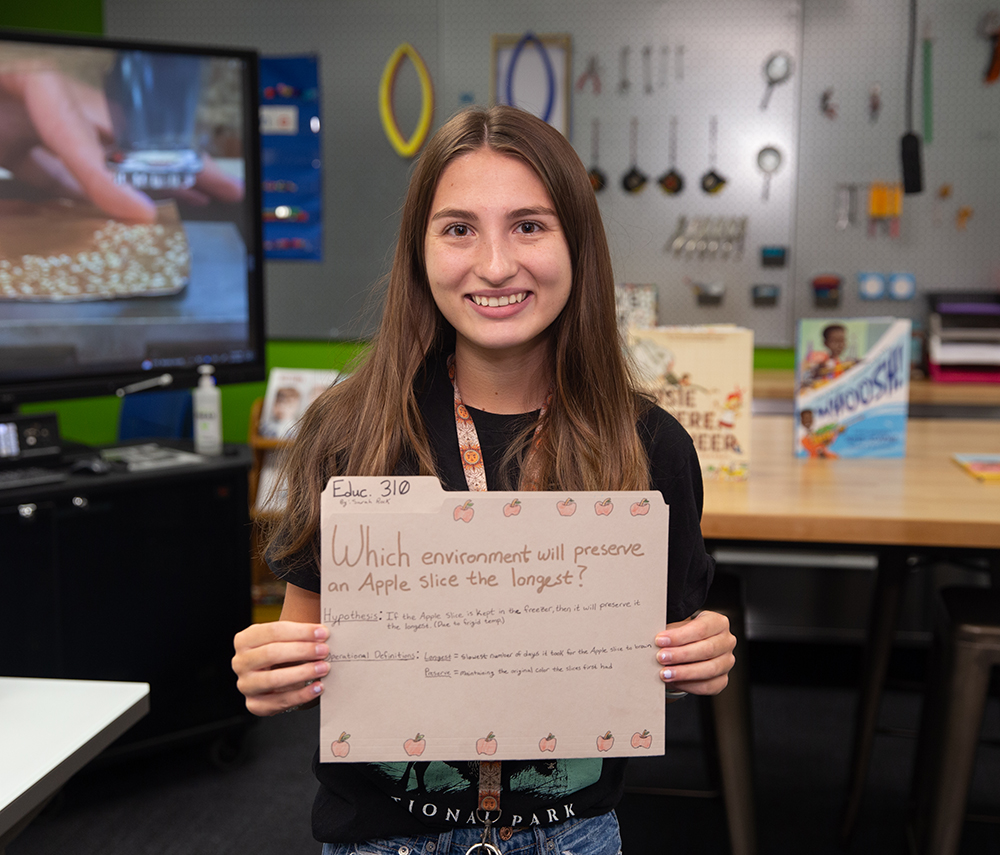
367	423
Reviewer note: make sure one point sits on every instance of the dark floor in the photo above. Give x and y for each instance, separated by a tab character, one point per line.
179	803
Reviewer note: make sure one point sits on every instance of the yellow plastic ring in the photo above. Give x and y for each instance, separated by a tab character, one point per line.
405	148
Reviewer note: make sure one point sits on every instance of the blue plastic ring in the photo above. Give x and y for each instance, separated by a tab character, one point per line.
550	74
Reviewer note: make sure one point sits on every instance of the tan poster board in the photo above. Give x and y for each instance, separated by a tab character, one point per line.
496	625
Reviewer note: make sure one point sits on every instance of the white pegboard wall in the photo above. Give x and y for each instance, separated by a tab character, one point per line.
847	46
719	74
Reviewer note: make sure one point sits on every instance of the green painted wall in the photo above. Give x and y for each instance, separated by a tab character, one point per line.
72	16
94	421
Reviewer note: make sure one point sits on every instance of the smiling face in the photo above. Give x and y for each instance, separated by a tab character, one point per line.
835	339
497	260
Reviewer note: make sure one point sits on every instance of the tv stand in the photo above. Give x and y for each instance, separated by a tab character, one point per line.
134	576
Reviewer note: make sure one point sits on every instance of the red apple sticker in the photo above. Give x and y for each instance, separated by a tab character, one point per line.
566	508
547	743
642	740
605	742
486	745
512	509
341	747
415	747
464	512
604	508
640	509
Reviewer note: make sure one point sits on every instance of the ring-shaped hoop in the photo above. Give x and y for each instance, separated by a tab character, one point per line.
486	820
405	148
550	75
487	849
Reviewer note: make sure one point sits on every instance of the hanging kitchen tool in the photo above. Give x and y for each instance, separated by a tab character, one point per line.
675	243
777	69
874	102
769	161
827	106
711	181
633	181
672	182
623	81
909	145
647	69
591	74
597	178
989	28
847	205
927	79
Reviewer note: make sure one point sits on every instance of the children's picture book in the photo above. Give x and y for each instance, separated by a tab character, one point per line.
852	387
289	392
703	376
984	467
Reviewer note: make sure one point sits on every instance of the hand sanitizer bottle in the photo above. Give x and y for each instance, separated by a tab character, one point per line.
207	413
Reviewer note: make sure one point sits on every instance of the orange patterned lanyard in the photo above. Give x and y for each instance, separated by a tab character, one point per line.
468	439
475	476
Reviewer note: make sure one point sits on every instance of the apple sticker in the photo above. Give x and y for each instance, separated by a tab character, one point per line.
464	512
642	740
512	509
341	748
605	742
487	744
566	508
415	747
547	743
640	509
604	508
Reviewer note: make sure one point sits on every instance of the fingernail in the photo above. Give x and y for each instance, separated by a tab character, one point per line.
322	650
665	656
322	667
663	641
321	633
667	674
317	688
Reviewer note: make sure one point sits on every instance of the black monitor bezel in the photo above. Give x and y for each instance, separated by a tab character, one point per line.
14	392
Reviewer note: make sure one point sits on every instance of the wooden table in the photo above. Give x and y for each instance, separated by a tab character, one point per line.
49	730
923	499
895	508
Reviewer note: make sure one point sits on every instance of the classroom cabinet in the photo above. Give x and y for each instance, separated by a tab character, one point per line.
136	577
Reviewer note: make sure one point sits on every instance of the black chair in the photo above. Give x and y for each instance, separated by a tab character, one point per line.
727	729
966	648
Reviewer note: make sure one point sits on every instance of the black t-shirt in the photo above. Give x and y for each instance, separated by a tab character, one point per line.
361	801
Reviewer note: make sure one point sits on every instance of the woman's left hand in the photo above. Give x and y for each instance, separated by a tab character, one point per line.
696	655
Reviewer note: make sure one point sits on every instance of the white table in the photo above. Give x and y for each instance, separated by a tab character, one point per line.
49	730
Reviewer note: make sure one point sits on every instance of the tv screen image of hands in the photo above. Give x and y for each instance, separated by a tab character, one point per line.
129	215
500	617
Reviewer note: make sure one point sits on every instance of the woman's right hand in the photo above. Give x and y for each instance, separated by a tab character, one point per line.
277	663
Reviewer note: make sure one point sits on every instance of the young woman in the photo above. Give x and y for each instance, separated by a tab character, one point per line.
497	365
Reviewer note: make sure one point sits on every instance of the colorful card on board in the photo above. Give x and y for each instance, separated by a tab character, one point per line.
852	386
703	376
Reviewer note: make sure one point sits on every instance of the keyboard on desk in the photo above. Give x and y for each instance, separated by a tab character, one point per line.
30	476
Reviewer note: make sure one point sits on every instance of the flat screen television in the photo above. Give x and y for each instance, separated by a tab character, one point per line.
130	237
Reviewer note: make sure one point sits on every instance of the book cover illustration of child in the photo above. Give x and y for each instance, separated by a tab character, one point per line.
852	387
702	375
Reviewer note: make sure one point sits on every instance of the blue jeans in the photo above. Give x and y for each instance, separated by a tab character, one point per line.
596	836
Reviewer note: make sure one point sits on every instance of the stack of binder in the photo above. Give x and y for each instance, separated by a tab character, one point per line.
964	337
